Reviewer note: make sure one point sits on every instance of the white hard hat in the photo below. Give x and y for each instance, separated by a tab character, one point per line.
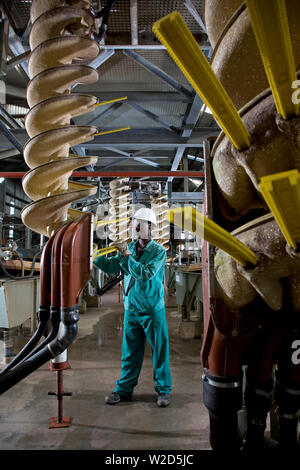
145	214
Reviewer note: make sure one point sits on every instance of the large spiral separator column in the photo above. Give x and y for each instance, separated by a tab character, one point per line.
161	233
251	305
119	209
60	34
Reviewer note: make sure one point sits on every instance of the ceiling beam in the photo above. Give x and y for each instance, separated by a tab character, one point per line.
116	150
160	74
130	160
110	110
17	48
8	135
136	96
117	162
191	119
186	197
178	156
12	90
192	9
19	59
155	138
146	162
155	153
154	117
9	153
113	157
134	174
132	138
101	58
97	62
8	119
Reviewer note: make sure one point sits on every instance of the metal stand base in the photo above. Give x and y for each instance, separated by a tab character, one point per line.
60	421
65	423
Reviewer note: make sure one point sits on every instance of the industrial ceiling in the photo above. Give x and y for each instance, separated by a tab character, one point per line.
167	120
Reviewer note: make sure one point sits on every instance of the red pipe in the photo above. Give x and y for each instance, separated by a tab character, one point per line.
137	174
12	174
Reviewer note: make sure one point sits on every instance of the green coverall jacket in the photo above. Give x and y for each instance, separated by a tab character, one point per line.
147	293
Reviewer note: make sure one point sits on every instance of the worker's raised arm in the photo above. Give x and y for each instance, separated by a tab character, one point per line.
109	265
147	270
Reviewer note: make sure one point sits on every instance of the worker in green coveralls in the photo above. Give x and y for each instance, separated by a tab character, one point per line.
142	262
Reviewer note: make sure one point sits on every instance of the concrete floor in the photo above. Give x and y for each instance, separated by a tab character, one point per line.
95	366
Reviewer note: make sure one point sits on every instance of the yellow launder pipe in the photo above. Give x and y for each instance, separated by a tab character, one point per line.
271	28
188	218
113	130
281	192
186	52
104	251
108	249
112	221
102	103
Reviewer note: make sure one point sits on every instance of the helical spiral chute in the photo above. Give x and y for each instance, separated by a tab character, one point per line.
60	35
119	209
161	233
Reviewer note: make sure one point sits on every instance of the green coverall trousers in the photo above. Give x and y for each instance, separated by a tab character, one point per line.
138	327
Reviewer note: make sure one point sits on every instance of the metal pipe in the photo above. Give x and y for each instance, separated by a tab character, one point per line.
11	137
19	59
43	316
134	22
55	288
115	280
11	276
8	118
55	321
69	317
44	309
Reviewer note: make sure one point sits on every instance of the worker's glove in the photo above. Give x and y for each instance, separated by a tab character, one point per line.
122	247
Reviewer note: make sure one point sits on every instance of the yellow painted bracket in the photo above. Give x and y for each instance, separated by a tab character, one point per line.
112	131
281	192
271	28
102	103
186	52
188	218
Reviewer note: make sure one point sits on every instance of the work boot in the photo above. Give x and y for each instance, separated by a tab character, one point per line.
115	398
163	400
